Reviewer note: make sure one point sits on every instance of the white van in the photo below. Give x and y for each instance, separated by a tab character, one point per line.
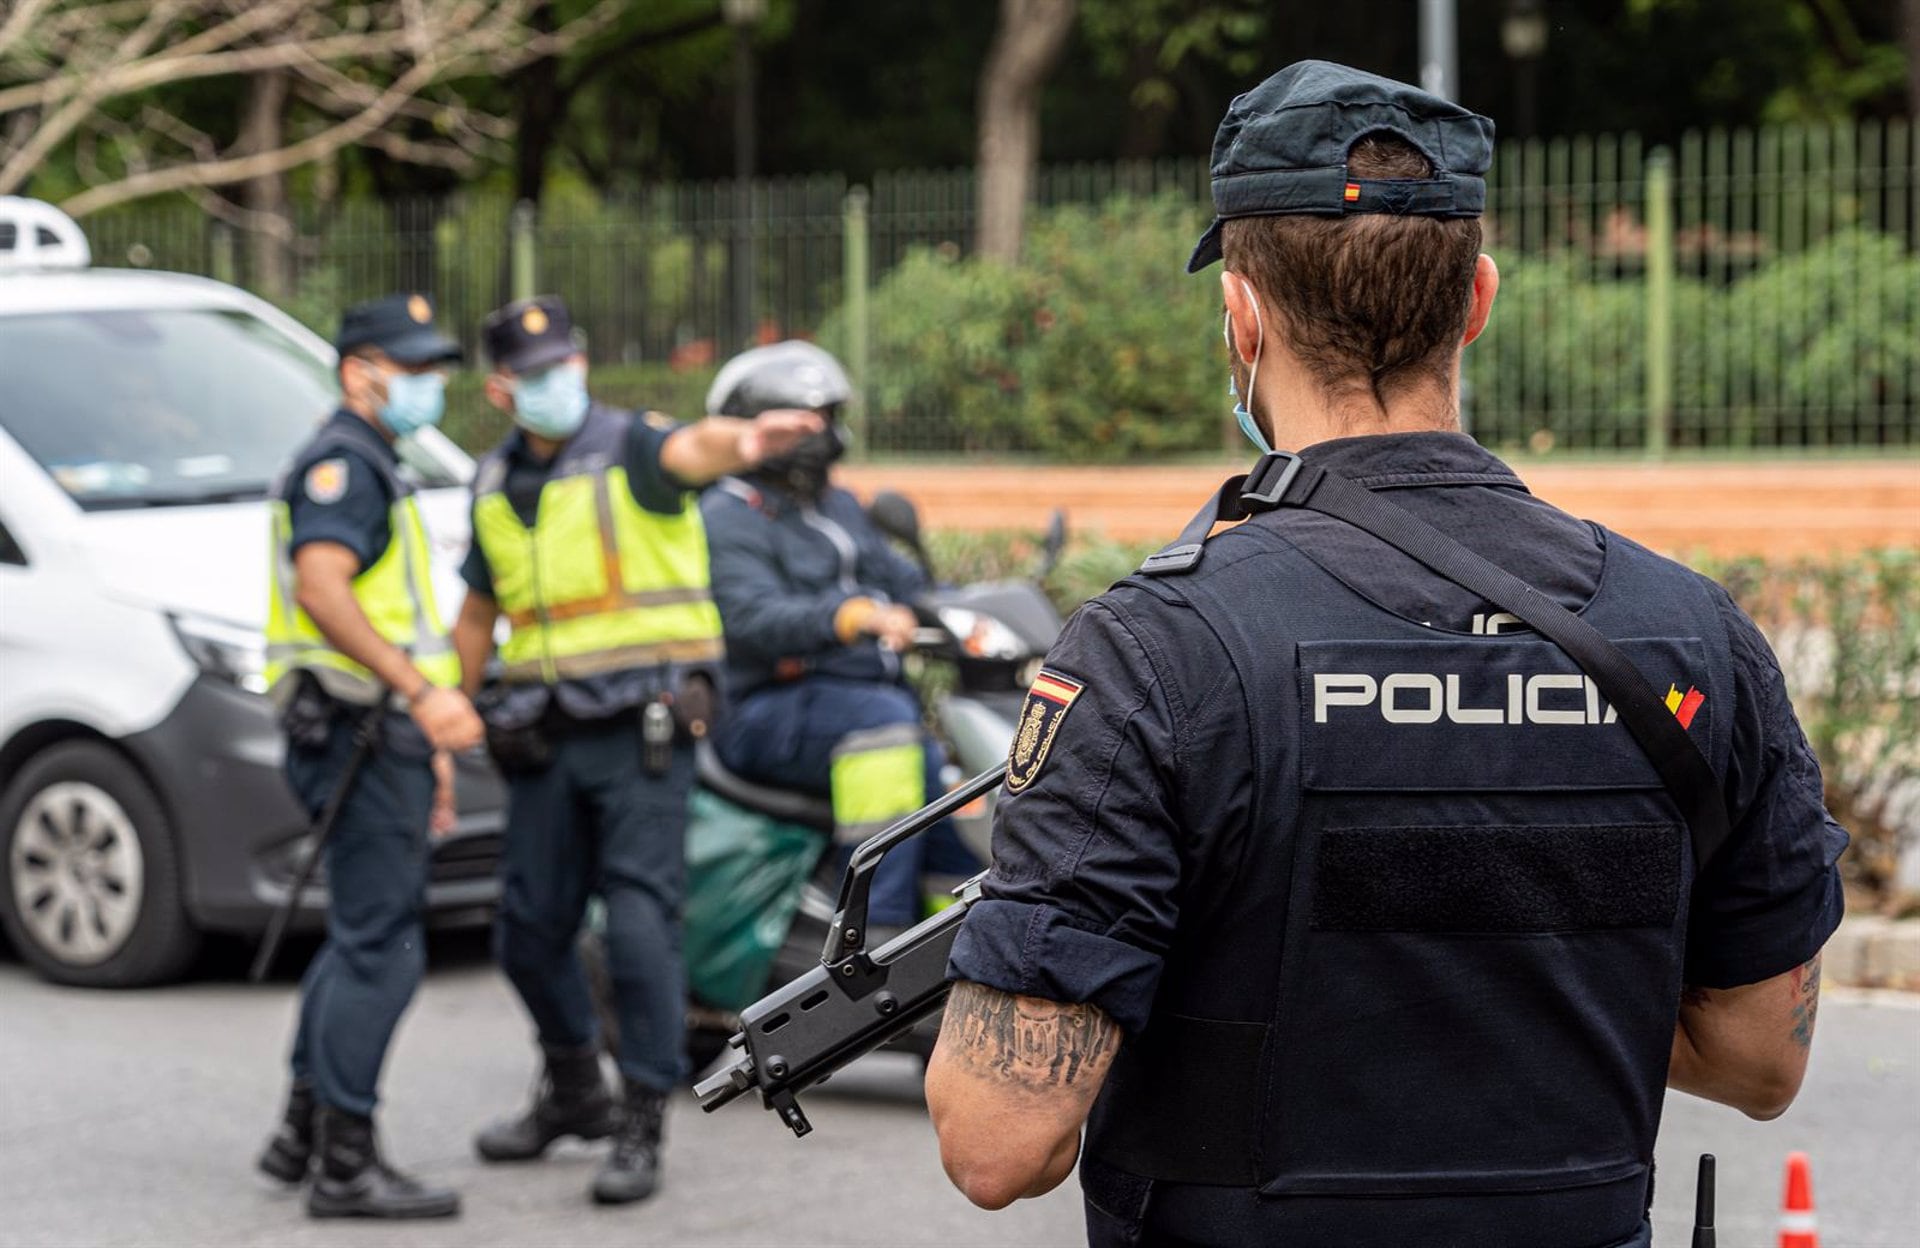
142	418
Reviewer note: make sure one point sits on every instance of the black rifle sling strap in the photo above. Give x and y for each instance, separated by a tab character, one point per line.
1284	480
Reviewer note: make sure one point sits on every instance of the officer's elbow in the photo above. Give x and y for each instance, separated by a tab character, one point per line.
1772	1092
990	1178
312	596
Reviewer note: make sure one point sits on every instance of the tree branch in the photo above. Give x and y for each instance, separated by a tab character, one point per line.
238	169
19	22
63	123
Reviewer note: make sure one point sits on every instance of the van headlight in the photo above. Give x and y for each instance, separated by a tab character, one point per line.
225	651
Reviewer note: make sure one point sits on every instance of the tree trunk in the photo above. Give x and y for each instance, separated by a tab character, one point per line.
1147	120
1912	40
540	106
1025	47
270	227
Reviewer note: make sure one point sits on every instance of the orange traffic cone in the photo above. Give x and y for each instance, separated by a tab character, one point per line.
1798	1229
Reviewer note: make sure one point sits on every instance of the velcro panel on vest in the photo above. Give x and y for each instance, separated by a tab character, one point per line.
1495	879
1482	952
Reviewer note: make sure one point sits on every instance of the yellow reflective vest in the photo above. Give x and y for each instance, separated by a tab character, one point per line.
395	592
598	584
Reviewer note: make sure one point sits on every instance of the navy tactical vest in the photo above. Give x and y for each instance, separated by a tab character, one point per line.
1434	1003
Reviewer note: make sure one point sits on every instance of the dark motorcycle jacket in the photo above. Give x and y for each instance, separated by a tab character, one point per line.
782	567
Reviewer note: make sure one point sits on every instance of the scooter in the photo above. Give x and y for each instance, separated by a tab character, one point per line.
993	637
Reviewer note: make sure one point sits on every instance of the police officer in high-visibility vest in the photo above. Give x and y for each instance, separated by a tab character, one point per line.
352	626
1337	903
586	539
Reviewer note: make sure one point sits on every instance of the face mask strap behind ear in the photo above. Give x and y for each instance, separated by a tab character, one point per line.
1248	425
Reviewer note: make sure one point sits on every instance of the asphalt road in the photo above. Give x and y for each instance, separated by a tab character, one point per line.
132	1118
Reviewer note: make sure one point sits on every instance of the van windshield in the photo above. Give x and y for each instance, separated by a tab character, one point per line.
132	408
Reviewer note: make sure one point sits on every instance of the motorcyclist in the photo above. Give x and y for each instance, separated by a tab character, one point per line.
814	604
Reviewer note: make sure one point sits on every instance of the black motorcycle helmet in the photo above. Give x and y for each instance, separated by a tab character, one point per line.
788	374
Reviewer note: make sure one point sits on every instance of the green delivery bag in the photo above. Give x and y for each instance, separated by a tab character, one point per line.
744	876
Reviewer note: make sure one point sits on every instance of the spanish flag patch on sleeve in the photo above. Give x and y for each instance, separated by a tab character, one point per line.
1049	699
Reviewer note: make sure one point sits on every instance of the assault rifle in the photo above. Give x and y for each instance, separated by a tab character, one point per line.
858	998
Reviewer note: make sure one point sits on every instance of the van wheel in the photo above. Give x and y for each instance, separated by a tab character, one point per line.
90	888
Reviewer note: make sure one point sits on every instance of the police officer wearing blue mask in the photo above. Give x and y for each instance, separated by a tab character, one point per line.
1337	903
588	542
353	628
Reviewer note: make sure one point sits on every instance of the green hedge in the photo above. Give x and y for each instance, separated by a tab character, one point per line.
1847	629
1094	347
1099	347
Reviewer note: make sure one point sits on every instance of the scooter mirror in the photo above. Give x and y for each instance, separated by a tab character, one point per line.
1054	543
895	515
1057	532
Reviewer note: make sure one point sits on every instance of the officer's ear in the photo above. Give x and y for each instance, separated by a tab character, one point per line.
1242	314
360	378
1486	283
499	388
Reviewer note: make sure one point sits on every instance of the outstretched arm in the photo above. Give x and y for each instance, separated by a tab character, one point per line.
1009	1087
709	449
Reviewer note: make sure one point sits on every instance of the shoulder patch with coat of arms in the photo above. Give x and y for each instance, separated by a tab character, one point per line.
327	481
1049	699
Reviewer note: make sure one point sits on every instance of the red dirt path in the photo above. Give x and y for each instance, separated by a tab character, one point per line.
1725	509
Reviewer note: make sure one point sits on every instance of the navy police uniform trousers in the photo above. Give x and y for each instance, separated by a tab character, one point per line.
365	974
785	735
596	821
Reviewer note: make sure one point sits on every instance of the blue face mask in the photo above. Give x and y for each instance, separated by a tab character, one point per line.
553	403
1248	425
415	401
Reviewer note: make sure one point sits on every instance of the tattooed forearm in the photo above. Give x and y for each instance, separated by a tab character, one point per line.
1806	1004
1025	1040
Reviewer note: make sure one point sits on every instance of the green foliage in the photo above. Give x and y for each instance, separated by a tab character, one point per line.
1171	35
1847	630
1092	348
1828	329
1098	347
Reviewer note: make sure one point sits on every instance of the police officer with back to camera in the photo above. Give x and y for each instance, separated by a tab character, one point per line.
352	627
586	540
816	606
1341	899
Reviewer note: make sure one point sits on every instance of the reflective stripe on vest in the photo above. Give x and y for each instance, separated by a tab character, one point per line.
598	584
395	593
878	776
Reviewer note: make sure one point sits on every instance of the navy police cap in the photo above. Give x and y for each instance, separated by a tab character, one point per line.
530	334
1282	148
400	327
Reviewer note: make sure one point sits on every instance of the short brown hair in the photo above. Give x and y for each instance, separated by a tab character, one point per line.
1370	303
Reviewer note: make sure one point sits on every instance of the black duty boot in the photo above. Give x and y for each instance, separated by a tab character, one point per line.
573	1100
350	1180
290	1151
633	1168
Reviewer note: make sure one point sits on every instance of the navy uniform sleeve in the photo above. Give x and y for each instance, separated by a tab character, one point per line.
653	487
1082	900
474	569
1771	897
341	499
